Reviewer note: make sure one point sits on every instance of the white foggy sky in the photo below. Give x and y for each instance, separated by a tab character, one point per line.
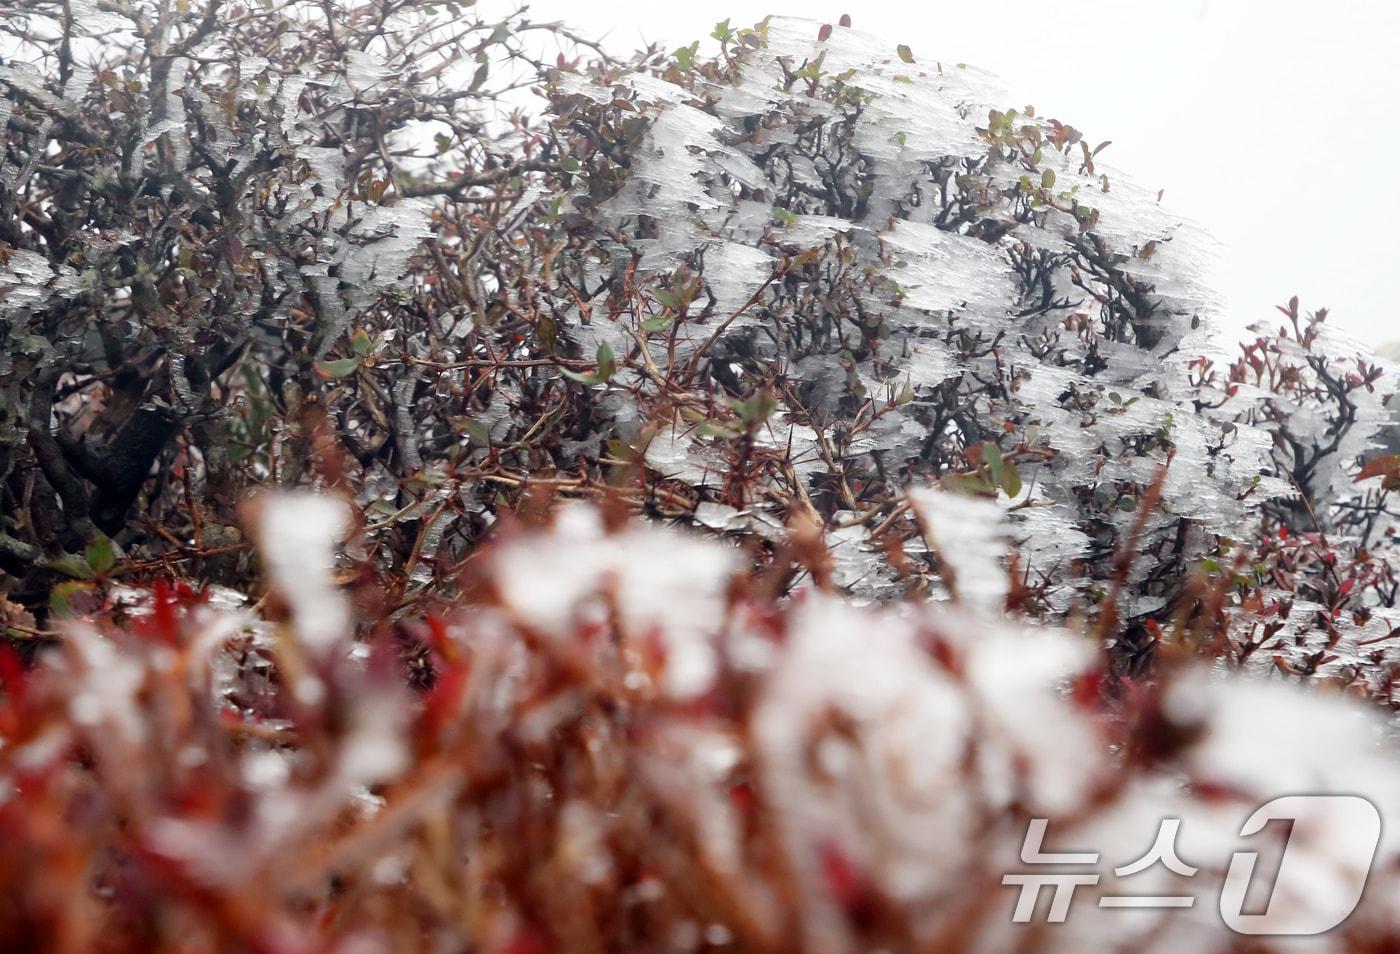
1273	124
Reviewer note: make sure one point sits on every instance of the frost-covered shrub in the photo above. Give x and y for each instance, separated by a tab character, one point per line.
650	755
198	203
770	289
824	268
839	305
1313	594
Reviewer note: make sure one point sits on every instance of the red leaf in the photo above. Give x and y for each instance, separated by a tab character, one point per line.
1088	689
527	940
163	623
443	701
847	883
824	33
842	878
742	798
12	678
441	638
1384	466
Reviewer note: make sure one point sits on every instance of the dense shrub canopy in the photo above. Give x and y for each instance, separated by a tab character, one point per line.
783	283
199	204
909	281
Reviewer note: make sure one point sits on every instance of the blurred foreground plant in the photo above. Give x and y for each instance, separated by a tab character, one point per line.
644	753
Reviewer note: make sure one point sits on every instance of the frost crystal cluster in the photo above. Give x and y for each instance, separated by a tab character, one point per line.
921	283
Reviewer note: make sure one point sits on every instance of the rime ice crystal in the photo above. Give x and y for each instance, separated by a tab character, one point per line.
984	259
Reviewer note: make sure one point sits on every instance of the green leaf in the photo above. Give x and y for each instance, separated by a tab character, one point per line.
570	164
362	343
1012	482
479	77
384	508
71	566
996	467
337	369
658	322
477	432
548	333
712	429
685	56
61	597
973	484
101	555
607	364
1047	179
756	409
905	54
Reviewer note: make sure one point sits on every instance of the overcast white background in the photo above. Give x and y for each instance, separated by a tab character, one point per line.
1273	124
